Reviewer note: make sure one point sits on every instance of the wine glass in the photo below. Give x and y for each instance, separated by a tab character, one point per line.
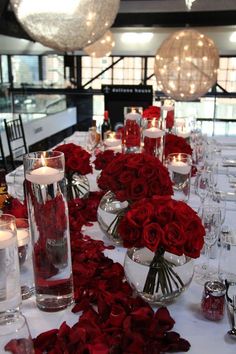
202	185
15	334
211	221
91	139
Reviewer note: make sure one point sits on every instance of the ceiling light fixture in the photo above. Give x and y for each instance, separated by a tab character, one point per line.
102	47
134	37
189	4
66	25
185	69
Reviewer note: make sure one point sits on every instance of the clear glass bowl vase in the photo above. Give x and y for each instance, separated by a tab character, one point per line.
172	277
110	211
77	186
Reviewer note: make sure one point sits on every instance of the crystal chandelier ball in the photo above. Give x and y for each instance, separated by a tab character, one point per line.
102	47
186	65
65	25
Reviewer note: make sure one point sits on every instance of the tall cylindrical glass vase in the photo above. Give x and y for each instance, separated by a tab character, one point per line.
45	188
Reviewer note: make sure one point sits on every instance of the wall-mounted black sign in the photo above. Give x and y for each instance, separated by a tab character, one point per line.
119	97
116	91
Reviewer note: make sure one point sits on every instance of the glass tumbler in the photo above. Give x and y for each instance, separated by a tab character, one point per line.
179	166
10	294
45	187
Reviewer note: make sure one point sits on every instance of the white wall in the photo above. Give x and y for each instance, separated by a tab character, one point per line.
39	129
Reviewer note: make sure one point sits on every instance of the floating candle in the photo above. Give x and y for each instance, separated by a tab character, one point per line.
180	167
6	239
22	237
183	134
45	175
153	132
112	141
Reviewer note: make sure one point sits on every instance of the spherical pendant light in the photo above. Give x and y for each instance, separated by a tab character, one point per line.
186	65
66	25
102	47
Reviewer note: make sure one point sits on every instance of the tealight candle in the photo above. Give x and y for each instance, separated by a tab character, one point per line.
6	239
112	141
183	133
179	166
45	175
153	132
22	237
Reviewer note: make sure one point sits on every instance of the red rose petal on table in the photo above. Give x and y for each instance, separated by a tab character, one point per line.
20	346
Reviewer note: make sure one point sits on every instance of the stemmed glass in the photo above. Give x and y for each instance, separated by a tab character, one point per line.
211	220
91	139
202	186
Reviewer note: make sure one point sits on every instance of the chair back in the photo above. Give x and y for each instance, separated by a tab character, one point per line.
16	140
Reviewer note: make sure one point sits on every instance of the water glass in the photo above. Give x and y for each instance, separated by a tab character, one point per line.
179	166
91	139
211	222
25	258
45	187
153	137
10	294
14	334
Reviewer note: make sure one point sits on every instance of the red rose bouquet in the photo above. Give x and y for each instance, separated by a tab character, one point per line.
176	144
163	225
77	165
132	177
129	178
152	112
103	158
76	159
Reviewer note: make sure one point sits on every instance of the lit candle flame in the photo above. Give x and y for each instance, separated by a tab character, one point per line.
43	161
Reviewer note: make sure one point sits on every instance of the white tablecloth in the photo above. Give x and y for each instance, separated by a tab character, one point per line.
205	336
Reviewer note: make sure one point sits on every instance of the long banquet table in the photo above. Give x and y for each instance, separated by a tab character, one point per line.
205	336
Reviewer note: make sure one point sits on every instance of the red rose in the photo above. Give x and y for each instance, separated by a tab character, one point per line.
138	189
174	239
152	235
170	119
130	235
140	216
176	144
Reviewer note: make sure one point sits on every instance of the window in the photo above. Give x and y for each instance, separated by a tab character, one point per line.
53	70
4	66
25	69
150	71
91	67
128	71
227	74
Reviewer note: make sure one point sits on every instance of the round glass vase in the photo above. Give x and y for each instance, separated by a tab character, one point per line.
162	283
77	186
110	211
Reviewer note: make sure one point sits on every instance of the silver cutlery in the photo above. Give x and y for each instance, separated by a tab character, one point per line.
232	331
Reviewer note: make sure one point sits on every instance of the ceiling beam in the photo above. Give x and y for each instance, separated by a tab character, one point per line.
9	26
176	19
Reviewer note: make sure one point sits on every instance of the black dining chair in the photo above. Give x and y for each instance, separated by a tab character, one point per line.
3	162
16	140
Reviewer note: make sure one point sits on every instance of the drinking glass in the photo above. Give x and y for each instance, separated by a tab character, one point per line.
202	185
46	194
10	294
179	167
211	222
25	258
14	334
91	139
